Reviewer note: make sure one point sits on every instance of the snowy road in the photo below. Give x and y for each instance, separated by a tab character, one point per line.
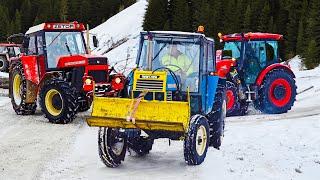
256	146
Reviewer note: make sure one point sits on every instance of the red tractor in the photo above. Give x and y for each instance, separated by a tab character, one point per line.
252	66
56	68
7	51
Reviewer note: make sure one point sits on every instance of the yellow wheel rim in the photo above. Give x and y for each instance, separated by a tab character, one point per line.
201	141
16	90
50	104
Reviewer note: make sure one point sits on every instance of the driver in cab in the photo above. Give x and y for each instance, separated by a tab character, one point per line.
181	64
177	61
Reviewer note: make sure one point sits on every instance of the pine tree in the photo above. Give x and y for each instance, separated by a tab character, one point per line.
63	10
180	16
301	39
156	15
4	22
264	18
294	18
247	20
26	16
312	57
17	22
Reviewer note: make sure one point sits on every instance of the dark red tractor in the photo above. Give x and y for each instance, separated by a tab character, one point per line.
57	69
7	51
254	71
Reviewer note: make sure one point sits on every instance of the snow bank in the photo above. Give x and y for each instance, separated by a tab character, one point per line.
4	75
124	29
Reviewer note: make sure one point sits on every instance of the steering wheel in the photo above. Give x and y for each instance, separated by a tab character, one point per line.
172	74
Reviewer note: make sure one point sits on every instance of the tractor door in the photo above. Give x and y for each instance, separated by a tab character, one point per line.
257	56
34	59
209	82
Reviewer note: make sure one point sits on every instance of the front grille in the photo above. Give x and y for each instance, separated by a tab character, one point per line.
98	76
98	61
151	85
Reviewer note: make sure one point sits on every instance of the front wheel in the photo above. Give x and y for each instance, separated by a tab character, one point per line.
112	146
196	142
277	93
235	106
58	101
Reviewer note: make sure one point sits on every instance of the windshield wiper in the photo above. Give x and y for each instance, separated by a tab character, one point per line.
68	48
159	51
54	39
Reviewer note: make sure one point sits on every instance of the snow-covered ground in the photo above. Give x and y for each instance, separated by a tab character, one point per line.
256	146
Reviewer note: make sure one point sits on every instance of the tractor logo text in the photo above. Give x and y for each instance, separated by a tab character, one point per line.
149	77
63	26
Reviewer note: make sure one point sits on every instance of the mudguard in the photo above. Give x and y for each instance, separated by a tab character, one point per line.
263	73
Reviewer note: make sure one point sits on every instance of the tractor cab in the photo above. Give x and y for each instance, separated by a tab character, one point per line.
252	52
187	59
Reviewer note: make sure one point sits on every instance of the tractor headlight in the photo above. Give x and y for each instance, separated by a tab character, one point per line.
88	81
117	80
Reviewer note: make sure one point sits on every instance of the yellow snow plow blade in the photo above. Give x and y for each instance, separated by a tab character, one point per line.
146	115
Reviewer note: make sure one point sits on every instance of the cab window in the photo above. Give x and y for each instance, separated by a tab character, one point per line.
211	56
32	46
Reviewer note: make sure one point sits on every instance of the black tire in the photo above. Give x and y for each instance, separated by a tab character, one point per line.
107	137
18	100
192	155
64	102
4	64
217	118
140	145
277	93
239	107
85	104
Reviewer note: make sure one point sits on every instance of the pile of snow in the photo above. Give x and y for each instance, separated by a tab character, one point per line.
122	31
4	75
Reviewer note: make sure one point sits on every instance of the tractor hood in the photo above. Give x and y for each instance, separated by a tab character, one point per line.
81	60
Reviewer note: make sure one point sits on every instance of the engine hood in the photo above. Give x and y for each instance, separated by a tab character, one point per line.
81	60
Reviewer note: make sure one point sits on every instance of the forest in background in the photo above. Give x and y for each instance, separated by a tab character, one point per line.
297	20
18	15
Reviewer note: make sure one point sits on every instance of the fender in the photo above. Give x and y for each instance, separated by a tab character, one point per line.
30	68
270	68
223	67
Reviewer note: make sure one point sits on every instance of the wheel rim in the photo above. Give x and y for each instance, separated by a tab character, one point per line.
54	102
280	92
117	144
17	89
201	140
230	99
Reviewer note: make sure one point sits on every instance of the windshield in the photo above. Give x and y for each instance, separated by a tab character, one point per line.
3	49
234	48
180	55
63	44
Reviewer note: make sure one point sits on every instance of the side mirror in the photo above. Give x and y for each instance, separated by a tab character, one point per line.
95	41
25	45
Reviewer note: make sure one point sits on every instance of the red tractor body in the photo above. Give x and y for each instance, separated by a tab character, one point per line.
254	71
56	60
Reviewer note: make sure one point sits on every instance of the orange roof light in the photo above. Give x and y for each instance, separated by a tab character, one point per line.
201	29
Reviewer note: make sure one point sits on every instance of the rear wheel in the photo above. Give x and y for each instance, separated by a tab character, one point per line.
277	93
197	141
235	106
4	64
112	146
18	92
58	101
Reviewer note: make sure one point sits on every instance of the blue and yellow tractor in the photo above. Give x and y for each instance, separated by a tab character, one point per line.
174	92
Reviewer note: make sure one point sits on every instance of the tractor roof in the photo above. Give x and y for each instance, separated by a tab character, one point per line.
75	26
9	45
176	33
251	36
